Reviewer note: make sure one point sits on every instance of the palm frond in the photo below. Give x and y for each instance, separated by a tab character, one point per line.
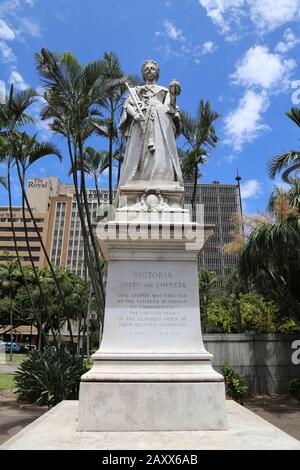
43	149
294	115
3	181
283	161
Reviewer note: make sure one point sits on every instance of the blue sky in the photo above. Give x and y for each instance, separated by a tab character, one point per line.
239	54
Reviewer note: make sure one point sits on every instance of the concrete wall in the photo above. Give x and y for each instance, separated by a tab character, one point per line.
267	361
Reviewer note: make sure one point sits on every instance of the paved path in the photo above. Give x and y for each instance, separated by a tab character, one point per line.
14	416
283	414
6	369
13	419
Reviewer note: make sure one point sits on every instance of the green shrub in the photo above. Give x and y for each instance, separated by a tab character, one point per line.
46	378
221	314
235	385
256	314
294	388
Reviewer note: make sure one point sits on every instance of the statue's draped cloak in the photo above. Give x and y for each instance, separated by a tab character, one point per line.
151	153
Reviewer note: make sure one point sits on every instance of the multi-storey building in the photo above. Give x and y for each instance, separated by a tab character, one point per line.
64	240
56	212
221	204
23	231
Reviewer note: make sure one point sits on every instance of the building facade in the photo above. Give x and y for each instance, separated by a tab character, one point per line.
24	232
221	204
56	212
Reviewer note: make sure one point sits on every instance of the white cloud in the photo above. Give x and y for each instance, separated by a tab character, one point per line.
270	14
14	24
2	91
12	7
29	26
289	42
265	15
261	68
230	158
223	12
171	32
7	53
208	47
251	189
18	81
244	124
6	32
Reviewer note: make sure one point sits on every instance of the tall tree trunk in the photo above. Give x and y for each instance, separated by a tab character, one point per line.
194	193
43	246
97	190
15	238
110	155
120	160
88	218
43	299
86	240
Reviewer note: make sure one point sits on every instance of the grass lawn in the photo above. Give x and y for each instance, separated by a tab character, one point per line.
16	359
7	382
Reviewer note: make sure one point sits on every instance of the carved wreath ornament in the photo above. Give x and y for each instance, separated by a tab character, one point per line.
152	201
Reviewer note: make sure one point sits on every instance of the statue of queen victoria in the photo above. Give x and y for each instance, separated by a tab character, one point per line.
150	122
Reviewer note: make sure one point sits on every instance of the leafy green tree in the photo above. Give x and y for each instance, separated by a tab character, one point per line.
291	195
270	259
256	315
95	162
200	137
75	290
112	102
13	114
207	283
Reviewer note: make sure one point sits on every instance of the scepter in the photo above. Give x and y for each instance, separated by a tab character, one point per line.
135	100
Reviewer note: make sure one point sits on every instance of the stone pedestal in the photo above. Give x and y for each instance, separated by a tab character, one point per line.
152	371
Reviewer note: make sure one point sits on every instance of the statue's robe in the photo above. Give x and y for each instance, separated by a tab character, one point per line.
151	153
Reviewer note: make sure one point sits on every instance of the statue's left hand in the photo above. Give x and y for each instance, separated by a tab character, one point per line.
175	88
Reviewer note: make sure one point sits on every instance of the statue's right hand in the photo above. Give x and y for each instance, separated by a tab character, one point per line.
138	117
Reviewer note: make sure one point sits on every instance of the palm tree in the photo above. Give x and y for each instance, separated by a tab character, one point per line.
13	114
292	196
271	256
74	95
207	281
119	153
112	102
187	166
95	162
26	150
200	136
288	161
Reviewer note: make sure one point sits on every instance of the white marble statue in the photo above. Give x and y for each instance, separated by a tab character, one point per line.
151	123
